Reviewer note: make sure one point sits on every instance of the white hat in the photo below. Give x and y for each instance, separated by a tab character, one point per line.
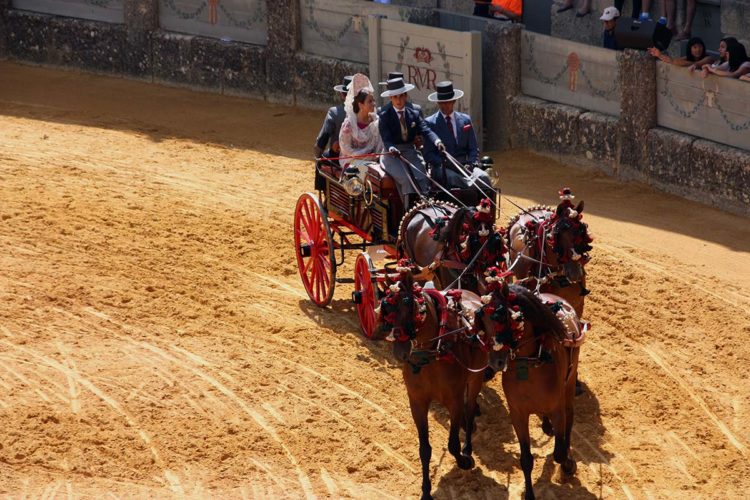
609	14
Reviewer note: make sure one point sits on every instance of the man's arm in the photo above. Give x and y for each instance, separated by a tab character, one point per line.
473	148
325	131
430	152
385	132
426	131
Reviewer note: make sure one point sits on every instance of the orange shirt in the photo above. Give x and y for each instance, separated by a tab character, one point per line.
515	6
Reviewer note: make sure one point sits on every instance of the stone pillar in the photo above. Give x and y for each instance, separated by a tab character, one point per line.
735	18
637	106
4	7
141	19
284	40
501	80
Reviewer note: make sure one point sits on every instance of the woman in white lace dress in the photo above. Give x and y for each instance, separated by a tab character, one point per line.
359	133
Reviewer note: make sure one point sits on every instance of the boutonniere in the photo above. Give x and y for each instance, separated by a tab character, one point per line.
467	127
413	124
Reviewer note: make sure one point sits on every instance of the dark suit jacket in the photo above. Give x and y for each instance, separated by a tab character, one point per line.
463	147
329	132
390	127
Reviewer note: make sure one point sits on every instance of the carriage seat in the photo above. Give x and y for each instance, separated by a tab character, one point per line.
381	182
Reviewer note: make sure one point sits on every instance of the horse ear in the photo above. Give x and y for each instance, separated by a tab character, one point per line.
560	212
579	208
506	288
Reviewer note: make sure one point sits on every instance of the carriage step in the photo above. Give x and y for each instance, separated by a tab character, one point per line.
344	280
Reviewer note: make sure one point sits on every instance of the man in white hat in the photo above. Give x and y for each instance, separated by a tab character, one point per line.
327	143
457	133
609	18
399	126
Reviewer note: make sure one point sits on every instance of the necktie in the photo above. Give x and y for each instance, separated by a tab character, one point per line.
449	122
404	131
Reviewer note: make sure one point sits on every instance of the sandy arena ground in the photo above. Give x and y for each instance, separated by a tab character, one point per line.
155	338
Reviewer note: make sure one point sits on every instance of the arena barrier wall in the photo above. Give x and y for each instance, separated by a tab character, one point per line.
629	146
426	56
713	108
570	73
110	11
339	28
240	20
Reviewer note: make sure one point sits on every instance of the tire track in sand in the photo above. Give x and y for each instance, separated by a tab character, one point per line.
653	352
231	395
169	476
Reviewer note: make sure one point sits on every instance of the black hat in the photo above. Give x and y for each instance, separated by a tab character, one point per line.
445	93
391	76
344	87
396	86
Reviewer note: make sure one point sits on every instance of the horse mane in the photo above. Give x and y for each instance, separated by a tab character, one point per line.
543	208
452	230
541	316
428	203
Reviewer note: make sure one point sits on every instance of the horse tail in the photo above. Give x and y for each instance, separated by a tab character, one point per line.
541	316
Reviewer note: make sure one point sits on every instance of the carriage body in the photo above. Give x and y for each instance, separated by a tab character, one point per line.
333	221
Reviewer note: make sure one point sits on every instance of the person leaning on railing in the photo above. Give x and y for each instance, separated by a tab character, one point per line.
737	65
696	56
722	60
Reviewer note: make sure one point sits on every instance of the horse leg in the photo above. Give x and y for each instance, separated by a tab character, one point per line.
472	411
456	411
521	426
419	414
547	426
562	421
569	465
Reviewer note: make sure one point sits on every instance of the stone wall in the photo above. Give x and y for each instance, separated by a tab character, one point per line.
633	147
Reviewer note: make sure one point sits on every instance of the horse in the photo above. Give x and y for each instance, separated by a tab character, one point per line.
539	354
549	249
455	245
443	359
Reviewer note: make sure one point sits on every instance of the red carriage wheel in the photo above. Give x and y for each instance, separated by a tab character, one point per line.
365	298
313	243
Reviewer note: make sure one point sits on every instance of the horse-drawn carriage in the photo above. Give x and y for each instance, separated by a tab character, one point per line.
356	208
451	335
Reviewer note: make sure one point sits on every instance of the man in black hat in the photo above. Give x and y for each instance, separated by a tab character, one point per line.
399	126
391	76
457	133
327	143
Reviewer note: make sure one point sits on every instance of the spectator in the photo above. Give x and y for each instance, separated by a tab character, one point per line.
584	10
507	10
609	18
737	63
636	7
696	56
482	8
722	61
669	10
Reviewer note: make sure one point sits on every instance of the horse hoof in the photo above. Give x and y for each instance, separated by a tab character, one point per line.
426	496
529	495
569	467
579	388
465	462
547	427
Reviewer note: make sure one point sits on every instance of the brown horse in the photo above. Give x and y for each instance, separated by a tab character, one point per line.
443	360
539	369
454	244
549	249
